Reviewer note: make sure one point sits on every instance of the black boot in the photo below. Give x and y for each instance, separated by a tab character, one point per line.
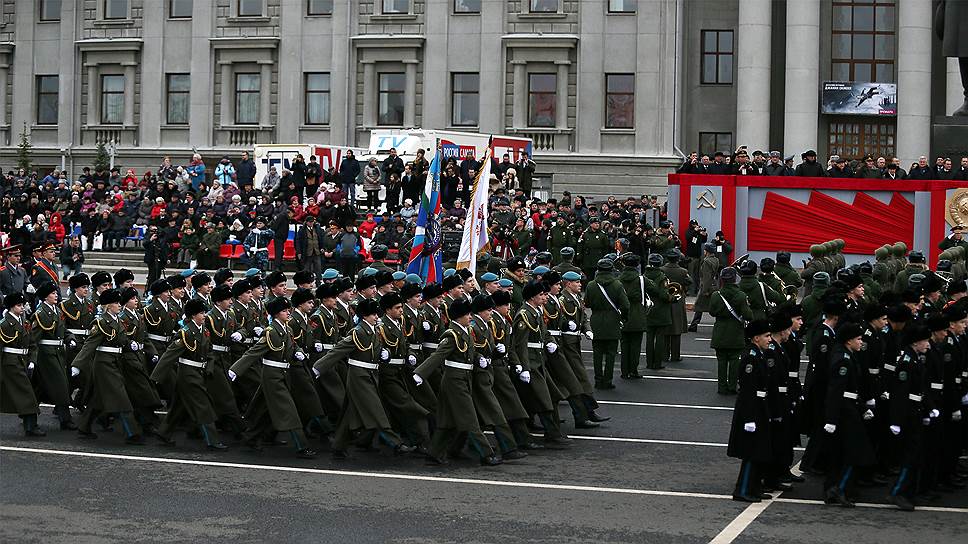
30	426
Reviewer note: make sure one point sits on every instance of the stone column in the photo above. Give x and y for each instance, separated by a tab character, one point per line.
519	115
129	77
914	37
226	111
802	76
954	92
369	94
561	108
93	96
410	95
4	70
265	94
753	74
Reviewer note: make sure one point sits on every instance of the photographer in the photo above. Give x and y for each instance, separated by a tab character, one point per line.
156	254
695	238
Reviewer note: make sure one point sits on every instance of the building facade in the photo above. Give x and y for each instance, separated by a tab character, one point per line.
609	90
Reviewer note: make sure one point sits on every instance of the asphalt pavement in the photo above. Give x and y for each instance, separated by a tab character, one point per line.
657	472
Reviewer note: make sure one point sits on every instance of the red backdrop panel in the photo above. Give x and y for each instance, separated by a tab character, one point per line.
864	225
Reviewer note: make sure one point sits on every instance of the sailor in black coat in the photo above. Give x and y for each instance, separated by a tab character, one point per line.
749	436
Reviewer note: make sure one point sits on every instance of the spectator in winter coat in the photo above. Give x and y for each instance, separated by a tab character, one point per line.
271	180
71	257
245	173
224	172
56	227
196	171
349	170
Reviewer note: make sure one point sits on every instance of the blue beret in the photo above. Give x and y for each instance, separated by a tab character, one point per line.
504	282
542	270
489	277
414	278
368	271
187	272
450	272
252	272
330	274
571	276
397	276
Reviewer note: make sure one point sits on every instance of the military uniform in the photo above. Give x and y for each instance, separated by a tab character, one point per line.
659	321
609	315
142	392
731	309
528	353
503	386
749	435
302	384
680	275
78	318
762	298
17	396
592	246
325	330
639	291
575	326
221	326
488	407
406	414
708	285
561	371
821	342
50	372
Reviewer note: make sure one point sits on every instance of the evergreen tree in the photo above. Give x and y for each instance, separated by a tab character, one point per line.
103	161
23	150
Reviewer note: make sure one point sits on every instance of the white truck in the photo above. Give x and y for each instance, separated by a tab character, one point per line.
282	155
455	144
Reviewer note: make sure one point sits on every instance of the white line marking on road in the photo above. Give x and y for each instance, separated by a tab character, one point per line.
683	378
663	405
704	339
439	479
746	517
646	441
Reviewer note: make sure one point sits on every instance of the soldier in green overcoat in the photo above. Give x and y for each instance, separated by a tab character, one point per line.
676	274
142	392
574	326
272	408
560	236
16	393
303	383
813	303
915	265
565	264
659	321
762	298
592	246
814	265
456	416
161	322
47	354
325	332
610	308
224	332
363	410
731	308
517	275
102	358
708	284
78	317
785	271
243	309
413	302
188	358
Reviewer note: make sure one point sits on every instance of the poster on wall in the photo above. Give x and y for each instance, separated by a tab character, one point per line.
851	98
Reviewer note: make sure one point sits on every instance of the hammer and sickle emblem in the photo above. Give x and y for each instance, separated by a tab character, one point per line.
706	199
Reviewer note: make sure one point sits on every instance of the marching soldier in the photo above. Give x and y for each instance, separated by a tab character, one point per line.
763	299
247	326
301	378
785	272
731	309
659	320
812	267
409	416
908	411
102	357
456	416
575	326
78	317
517	275
412	296
610	308
822	340
161	321
272	408
325	333
101	281
343	311
363	410
47	344
679	275
749	436
223	329
144	397
202	288
276	284
188	358
18	395
639	291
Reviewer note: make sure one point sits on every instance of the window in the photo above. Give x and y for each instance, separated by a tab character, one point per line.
247	98
250	8
465	97
317	99
711	142
863	41
115	9
179	86
856	139
50	10
112	99
319	7
542	99
180	9
717	57
619	100
46	100
544	6
622	6
467	6
396	6
392	87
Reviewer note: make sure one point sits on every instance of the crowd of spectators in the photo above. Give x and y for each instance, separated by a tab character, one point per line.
773	163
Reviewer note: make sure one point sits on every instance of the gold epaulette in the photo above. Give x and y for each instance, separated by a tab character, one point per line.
75	317
185	341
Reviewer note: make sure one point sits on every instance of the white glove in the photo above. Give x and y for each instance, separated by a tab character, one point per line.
868	415
572	326
232	376
426	325
412	359
956	415
384	355
483	362
75	371
258	331
551	347
318	346
926	421
417	379
315	372
830	428
895	429
885	396
590	335
500	349
525	377
134	346
750	427
30	366
872	402
300	356
73	344
154	359
964	399
934	413
236	336
518	369
31	289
